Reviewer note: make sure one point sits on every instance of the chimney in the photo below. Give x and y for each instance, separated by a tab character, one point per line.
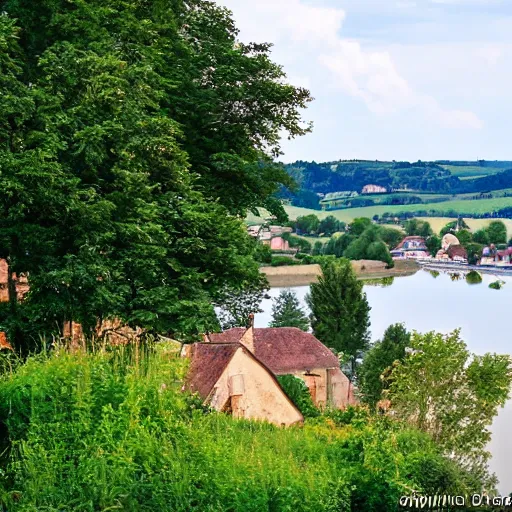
247	340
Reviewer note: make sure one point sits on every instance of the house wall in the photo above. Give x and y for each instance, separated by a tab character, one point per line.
279	244
328	387
261	399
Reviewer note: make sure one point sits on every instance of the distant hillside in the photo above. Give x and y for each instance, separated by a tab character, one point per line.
442	177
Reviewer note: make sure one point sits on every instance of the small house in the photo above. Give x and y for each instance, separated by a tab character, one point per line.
230	379
411	247
290	351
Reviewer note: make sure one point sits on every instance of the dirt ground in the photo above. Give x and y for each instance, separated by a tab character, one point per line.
304	275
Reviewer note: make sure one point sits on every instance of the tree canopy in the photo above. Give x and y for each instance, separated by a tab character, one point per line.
379	360
453	395
133	138
286	311
340	310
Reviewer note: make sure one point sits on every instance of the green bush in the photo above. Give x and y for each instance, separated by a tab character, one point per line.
282	261
112	430
298	392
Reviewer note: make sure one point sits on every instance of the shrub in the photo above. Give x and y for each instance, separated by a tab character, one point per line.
282	261
112	430
299	393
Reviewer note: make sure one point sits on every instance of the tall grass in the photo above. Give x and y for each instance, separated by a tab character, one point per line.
112	430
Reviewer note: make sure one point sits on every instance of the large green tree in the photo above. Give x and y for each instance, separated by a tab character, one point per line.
415	227
134	137
330	225
497	232
453	395
340	310
369	246
287	312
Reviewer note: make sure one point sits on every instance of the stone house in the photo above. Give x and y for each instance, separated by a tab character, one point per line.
373	189
290	351
230	379
411	247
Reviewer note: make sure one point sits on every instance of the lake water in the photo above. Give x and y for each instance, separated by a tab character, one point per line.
424	303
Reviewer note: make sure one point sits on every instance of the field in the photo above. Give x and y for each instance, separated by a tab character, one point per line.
480	206
439	223
471	171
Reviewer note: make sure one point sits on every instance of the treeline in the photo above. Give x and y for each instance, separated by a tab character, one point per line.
321	178
504	213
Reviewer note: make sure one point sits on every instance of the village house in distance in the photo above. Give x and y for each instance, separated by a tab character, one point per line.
411	247
235	371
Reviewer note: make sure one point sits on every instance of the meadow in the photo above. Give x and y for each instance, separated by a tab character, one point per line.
463	206
112	430
471	171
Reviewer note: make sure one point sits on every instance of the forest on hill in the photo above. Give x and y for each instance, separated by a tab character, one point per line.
444	177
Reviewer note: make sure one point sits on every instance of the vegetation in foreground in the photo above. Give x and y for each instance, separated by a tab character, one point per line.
112	430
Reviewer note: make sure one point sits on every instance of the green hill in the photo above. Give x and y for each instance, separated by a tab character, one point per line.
409	183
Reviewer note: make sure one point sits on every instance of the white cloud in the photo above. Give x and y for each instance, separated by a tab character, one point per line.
312	34
490	53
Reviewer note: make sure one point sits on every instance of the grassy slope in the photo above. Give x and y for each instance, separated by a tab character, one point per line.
471	171
463	206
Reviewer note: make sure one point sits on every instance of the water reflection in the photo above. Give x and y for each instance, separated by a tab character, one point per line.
382	281
425	304
473	277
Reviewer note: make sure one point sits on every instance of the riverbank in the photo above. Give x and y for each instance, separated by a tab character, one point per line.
304	275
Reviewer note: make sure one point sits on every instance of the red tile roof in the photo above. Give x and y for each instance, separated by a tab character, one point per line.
506	252
284	349
208	361
457	250
418	239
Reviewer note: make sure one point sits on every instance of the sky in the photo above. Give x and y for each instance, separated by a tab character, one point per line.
392	79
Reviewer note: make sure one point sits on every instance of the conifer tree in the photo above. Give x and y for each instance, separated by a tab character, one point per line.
340	311
286	312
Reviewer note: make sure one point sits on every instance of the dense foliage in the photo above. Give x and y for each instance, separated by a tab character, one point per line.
112	430
364	241
286	311
298	392
453	395
340	310
379	360
133	135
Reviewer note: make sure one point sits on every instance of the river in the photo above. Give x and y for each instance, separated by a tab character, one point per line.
426	303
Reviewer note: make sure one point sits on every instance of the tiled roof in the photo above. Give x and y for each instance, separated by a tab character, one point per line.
208	361
419	239
457	250
284	349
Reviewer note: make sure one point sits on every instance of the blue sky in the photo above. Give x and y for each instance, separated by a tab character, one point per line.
393	79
